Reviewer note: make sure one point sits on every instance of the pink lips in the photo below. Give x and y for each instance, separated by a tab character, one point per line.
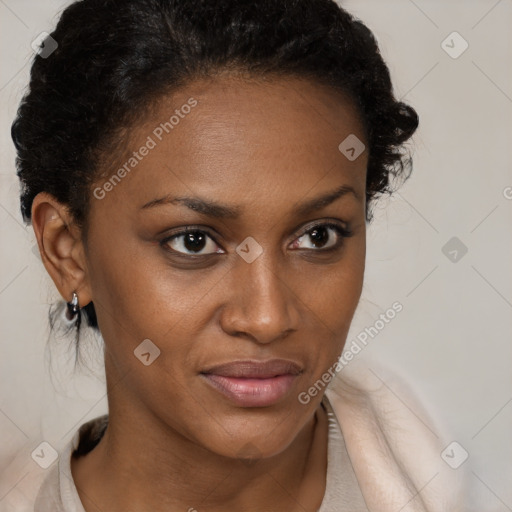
253	383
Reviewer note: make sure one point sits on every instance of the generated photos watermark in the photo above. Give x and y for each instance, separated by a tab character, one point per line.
151	143
356	346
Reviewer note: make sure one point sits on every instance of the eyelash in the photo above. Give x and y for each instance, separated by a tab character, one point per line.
340	230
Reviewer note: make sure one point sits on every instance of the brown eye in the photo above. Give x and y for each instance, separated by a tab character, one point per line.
192	242
323	237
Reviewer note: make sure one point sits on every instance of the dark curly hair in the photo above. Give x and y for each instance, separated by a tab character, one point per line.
115	58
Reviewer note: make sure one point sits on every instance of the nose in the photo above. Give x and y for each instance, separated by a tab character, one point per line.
263	307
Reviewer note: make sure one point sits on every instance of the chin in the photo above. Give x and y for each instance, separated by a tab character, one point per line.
250	439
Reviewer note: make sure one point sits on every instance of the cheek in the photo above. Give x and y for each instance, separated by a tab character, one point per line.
335	290
139	298
331	302
136	288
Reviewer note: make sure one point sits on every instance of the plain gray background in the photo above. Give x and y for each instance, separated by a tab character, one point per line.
452	340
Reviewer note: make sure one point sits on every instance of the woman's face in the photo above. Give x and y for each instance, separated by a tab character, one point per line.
254	281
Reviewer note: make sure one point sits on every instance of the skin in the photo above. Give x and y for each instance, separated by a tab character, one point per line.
265	147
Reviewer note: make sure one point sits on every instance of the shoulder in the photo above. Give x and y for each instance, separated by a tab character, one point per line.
58	491
31	488
48	498
394	442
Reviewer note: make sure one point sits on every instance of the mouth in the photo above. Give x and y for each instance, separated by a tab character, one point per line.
253	383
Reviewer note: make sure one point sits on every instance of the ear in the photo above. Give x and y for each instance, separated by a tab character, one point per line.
61	248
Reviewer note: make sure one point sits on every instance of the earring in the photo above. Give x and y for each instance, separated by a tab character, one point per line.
73	307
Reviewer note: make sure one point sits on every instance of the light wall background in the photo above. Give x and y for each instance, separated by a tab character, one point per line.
452	341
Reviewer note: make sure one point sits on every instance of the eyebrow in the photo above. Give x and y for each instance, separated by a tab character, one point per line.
224	211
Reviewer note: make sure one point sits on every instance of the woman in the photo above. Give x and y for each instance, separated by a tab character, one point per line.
199	176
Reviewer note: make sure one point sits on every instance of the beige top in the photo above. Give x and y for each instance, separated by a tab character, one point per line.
59	494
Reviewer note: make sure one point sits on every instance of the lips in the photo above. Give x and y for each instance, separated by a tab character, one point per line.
253	383
256	369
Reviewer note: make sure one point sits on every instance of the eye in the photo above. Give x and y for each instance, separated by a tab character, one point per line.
191	241
323	237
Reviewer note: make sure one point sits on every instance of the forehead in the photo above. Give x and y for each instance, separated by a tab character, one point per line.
228	135
262	115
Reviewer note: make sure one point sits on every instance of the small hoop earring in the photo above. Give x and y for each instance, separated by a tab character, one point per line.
73	307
